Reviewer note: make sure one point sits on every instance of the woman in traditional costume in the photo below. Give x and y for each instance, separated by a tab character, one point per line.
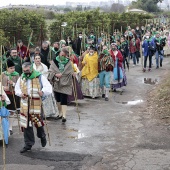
4	101
118	62
90	80
76	92
60	76
80	65
49	102
105	67
9	78
39	66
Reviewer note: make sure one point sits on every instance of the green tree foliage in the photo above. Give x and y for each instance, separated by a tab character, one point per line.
93	20
117	8
3	40
147	5
18	24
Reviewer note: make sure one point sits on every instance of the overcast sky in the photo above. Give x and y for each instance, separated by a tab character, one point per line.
40	2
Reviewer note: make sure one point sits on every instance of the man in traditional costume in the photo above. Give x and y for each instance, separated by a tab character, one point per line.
9	79
31	86
60	76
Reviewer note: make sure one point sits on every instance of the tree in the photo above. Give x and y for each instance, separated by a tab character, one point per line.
79	8
18	24
93	20
66	9
117	8
147	5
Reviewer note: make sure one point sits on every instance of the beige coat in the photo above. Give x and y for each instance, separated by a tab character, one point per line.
64	84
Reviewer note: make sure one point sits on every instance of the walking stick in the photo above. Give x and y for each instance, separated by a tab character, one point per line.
75	95
141	54
4	151
29	41
44	116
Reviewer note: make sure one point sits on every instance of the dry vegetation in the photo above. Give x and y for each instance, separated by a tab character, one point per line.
159	103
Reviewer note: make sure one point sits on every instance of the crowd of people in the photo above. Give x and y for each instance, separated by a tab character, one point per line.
54	75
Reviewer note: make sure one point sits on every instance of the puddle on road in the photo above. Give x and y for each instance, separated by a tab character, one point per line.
80	135
72	130
150	81
135	102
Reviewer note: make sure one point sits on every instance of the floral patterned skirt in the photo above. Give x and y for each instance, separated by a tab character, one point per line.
122	82
91	88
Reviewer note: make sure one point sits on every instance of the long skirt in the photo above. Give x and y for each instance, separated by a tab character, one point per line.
1	133
14	100
49	106
122	82
76	92
91	88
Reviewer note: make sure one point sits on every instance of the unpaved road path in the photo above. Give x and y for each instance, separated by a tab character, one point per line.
117	135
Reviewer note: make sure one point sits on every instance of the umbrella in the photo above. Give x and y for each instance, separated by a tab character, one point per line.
4	113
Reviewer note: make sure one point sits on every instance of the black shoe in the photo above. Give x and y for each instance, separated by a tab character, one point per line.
25	149
106	99
63	119
157	67
10	132
160	64
43	141
58	117
114	90
103	95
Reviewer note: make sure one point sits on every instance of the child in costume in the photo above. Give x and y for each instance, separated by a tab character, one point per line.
9	78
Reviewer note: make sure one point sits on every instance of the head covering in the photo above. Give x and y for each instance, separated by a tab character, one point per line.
37	49
65	50
114	44
10	63
105	52
92	48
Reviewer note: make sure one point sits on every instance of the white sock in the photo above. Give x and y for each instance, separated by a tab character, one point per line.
64	110
59	109
103	90
107	92
11	119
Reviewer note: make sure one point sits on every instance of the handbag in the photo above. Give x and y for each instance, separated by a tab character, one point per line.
152	48
117	71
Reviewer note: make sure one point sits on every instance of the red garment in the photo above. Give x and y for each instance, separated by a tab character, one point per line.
75	60
119	56
22	52
138	44
132	47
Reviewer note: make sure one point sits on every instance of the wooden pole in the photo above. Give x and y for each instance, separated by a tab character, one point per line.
3	140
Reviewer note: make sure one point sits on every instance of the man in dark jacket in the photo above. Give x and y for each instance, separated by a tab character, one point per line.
55	51
160	43
78	44
138	33
45	53
16	60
